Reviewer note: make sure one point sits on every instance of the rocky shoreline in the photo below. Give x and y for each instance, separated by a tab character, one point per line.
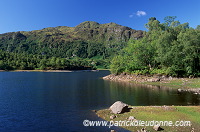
136	78
150	80
191	90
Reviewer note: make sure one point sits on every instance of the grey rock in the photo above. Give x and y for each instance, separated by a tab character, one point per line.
143	130
153	80
180	90
119	107
131	118
112	117
157	127
94	111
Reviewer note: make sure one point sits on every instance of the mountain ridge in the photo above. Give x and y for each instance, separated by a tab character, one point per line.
87	39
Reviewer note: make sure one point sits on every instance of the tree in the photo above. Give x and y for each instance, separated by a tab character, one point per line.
153	24
189	41
53	62
2	65
169	20
175	24
198	27
169	48
118	65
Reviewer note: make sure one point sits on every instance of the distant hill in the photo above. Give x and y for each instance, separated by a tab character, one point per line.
86	40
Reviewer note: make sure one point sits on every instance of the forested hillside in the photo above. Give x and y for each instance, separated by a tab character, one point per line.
89	41
168	48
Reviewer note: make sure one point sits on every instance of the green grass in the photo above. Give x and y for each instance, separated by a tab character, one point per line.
158	113
191	112
102	68
184	83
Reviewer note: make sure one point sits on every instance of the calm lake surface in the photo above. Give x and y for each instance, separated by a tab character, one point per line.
59	102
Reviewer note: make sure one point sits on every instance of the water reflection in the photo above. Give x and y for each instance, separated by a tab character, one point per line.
138	94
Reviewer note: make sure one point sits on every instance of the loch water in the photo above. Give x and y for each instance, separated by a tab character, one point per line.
61	101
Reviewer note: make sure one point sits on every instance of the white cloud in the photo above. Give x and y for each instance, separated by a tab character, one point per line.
131	15
141	13
138	13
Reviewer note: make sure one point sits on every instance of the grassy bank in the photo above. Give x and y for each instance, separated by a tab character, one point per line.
159	113
182	83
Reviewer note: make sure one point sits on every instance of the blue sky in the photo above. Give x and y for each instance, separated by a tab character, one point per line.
27	15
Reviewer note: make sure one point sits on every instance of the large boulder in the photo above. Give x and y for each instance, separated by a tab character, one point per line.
119	107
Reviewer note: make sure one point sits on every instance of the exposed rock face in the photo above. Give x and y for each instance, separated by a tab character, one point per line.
119	107
12	36
87	24
107	32
18	36
87	34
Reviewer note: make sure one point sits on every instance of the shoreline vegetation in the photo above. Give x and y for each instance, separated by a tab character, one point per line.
168	48
181	84
157	113
48	70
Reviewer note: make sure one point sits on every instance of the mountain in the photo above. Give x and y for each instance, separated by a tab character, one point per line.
86	40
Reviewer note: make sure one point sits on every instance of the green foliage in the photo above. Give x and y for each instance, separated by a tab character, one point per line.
198	27
169	20
158	71
168	48
87	41
17	61
118	65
